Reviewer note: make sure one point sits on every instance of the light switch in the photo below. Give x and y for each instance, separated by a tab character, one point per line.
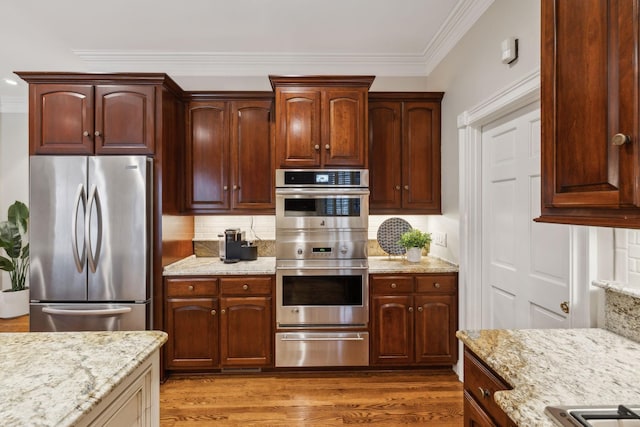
509	50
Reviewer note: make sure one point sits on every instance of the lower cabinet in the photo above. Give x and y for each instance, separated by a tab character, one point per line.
414	319
218	322
480	383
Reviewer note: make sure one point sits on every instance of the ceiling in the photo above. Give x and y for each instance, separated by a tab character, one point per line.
194	40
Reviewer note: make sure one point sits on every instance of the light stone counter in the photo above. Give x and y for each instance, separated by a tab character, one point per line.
553	367
197	266
55	379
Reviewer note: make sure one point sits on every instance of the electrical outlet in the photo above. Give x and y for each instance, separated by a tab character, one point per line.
439	238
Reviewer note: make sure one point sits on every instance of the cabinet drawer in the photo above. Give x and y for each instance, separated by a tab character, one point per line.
245	285
392	285
191	288
481	383
436	284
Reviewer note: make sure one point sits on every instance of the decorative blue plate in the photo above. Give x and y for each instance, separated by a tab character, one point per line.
389	233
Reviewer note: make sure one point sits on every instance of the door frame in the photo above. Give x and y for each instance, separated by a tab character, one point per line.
470	123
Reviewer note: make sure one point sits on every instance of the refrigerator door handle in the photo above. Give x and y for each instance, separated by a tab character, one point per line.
79	261
91	257
87	312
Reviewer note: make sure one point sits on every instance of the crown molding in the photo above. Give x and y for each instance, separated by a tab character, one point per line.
13	104
459	21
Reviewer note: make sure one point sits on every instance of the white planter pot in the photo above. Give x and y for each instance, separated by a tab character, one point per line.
414	254
14	304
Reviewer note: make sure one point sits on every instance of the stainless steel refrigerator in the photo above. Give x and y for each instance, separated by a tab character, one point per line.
90	243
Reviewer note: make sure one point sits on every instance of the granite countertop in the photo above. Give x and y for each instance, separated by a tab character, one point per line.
557	367
193	265
56	378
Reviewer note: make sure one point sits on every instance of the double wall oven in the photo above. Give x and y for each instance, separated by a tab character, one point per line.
322	279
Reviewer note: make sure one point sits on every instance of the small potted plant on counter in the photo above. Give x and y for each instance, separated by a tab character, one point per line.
14	302
414	241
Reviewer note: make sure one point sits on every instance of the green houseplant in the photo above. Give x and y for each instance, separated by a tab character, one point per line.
414	241
13	234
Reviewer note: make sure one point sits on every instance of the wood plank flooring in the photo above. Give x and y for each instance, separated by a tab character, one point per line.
421	398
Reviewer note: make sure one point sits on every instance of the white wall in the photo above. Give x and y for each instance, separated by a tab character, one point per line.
14	167
469	74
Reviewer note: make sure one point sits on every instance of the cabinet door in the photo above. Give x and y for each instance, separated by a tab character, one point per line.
192	326
589	94
61	119
421	157
474	416
298	127
124	119
392	326
207	157
344	125
385	155
246	331
252	156
435	329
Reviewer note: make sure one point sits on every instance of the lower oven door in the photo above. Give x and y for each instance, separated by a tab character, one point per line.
322	294
308	349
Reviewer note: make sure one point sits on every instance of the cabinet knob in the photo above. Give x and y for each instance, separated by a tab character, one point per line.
484	392
245	287
410	309
213	312
225	188
436	285
190	287
620	139
223	311
235	187
317	147
97	133
397	187
393	286
85	133
327	147
420	309
406	187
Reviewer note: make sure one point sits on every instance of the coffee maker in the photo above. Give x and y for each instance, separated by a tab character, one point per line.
233	247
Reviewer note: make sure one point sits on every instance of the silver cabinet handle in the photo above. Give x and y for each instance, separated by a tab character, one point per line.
620	139
91	312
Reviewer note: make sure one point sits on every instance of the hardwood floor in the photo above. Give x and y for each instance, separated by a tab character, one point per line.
424	397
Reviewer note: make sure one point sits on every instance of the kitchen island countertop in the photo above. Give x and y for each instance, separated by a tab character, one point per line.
196	266
558	367
56	378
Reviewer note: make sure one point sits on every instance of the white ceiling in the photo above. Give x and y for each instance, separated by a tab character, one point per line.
194	39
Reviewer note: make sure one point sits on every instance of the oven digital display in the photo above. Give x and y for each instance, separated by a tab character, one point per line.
322	178
321	250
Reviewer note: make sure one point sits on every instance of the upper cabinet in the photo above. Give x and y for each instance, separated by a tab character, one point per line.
404	152
321	121
92	114
590	121
229	153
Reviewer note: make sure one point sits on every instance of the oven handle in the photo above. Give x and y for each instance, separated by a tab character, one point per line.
317	192
321	268
356	338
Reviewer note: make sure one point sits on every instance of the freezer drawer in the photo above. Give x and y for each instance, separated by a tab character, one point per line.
89	317
298	349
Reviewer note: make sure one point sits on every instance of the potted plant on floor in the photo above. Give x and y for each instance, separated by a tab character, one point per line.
414	241
14	302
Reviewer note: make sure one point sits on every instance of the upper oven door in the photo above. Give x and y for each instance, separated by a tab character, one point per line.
322	294
322	208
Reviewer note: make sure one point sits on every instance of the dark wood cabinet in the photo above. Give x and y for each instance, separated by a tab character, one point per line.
229	155
321	121
98	119
590	123
480	384
219	322
414	319
404	152
192	323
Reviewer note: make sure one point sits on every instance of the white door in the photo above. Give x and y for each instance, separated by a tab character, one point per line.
525	265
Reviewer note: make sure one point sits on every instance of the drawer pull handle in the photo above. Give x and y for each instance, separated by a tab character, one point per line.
393	286
484	392
245	287
190	287
436	285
